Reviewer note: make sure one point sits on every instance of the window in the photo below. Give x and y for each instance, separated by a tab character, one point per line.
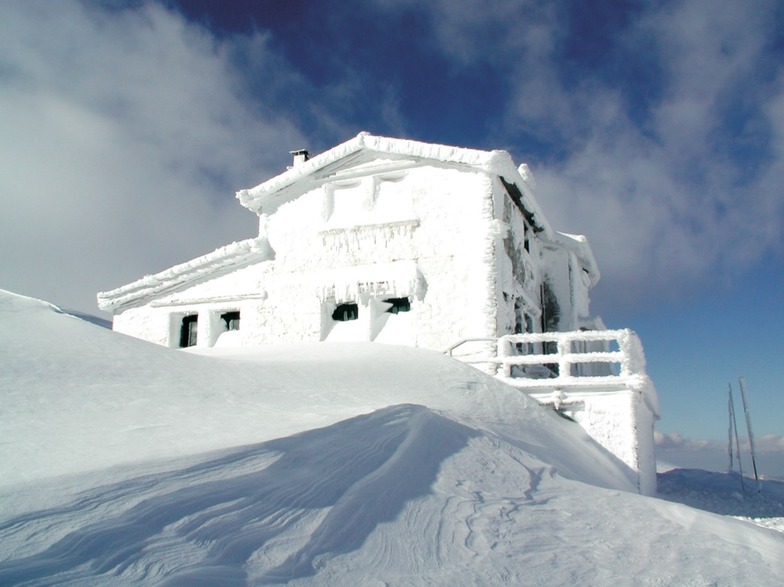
346	312
188	330
231	320
398	305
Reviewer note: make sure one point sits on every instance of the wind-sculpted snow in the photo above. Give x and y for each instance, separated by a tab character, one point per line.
403	495
285	503
124	463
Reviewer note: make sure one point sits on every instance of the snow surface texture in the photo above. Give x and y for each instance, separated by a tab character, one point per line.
123	462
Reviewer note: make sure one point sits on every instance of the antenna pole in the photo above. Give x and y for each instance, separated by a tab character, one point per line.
742	382
734	422
729	430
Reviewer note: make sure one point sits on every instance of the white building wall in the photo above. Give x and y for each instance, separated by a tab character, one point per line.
438	220
145	323
432	217
622	423
457	226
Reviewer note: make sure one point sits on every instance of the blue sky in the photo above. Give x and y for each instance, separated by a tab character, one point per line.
655	128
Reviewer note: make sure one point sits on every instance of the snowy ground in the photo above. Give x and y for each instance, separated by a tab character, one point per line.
123	462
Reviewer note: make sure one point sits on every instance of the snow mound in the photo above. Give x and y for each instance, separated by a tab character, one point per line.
122	462
82	398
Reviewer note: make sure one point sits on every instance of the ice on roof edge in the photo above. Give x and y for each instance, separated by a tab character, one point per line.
487	160
226	257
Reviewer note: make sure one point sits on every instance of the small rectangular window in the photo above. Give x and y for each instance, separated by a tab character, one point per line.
231	320
188	330
346	312
398	305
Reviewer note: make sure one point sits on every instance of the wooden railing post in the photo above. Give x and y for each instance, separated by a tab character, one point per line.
564	346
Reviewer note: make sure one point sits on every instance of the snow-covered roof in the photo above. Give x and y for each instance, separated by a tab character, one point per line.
578	244
271	194
218	262
365	151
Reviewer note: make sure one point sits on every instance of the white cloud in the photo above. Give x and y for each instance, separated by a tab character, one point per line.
672	169
675	440
126	131
676	450
125	134
664	203
769	443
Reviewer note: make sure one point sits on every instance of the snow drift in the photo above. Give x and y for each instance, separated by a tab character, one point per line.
125	462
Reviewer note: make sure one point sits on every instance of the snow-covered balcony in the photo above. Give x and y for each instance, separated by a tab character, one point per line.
595	377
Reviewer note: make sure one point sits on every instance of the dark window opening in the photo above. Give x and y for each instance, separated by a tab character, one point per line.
529	323
346	312
551	312
398	305
231	320
519	324
188	330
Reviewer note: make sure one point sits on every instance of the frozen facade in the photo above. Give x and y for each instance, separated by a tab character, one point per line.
376	239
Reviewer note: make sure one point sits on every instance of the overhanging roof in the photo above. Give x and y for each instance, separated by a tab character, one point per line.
218	262
362	151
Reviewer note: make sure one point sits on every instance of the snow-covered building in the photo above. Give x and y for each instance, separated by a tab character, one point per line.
377	239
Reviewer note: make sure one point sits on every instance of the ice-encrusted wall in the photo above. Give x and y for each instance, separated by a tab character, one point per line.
159	320
517	272
425	216
455	232
621	422
427	233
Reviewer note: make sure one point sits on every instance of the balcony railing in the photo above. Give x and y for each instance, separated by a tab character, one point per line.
567	361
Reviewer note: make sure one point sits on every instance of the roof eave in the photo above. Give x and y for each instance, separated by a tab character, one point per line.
580	246
255	198
219	262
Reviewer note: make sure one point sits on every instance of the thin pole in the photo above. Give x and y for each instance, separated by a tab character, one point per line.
742	382
737	441
729	430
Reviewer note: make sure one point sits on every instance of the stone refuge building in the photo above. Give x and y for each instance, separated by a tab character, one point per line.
385	240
